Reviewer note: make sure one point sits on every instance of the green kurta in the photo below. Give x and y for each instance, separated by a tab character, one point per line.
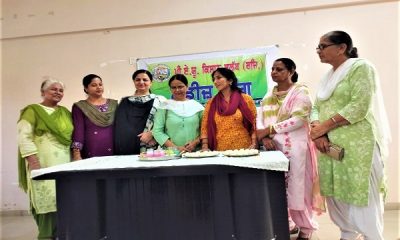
348	180
45	132
180	130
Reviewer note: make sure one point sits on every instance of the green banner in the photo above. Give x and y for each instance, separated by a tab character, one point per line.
250	68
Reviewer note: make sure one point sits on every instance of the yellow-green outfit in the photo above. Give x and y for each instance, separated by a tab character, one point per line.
46	132
352	185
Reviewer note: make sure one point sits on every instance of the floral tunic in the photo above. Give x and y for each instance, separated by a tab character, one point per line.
348	180
288	114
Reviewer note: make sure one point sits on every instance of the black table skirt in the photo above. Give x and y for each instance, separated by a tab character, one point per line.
174	203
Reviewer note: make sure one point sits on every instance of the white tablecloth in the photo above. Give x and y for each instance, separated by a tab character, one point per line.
272	160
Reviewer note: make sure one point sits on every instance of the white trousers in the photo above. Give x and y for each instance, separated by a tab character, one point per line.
362	222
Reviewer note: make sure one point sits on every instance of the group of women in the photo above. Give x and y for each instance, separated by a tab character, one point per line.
346	113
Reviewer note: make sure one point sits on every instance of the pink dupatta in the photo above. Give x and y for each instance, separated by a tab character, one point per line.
284	114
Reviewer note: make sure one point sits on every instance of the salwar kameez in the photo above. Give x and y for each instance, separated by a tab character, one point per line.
287	113
46	132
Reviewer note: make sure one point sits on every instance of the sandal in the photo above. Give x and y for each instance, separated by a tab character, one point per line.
294	230
304	236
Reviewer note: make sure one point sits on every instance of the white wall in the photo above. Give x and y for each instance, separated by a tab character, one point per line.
68	39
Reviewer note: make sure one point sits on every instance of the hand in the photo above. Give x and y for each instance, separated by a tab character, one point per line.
204	147
318	130
152	142
322	144
190	146
146	137
182	149
269	144
33	162
253	146
261	133
76	154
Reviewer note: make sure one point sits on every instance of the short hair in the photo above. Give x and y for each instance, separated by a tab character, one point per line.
48	81
179	77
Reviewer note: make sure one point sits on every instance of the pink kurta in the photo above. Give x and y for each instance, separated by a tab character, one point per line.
289	118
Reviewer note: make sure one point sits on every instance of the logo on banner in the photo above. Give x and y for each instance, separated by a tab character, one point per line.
161	72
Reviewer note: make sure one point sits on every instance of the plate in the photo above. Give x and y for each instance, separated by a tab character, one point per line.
164	158
201	154
241	153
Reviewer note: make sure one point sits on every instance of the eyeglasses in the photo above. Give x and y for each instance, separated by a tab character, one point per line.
323	46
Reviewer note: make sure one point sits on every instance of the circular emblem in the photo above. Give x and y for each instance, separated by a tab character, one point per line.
161	72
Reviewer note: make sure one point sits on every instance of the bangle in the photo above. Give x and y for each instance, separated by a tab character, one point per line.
270	129
334	121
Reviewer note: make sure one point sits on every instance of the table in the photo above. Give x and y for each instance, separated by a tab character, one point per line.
214	198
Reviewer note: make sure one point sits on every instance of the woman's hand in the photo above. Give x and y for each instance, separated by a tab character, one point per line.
152	142
182	149
76	154
262	133
146	137
33	162
191	146
318	130
322	144
253	146
269	144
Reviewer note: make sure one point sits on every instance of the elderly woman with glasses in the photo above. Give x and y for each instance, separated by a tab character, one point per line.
349	112
177	122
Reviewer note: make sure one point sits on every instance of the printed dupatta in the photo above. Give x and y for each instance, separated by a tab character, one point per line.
278	107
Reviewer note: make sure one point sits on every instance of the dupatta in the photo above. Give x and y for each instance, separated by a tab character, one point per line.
277	108
43	123
219	105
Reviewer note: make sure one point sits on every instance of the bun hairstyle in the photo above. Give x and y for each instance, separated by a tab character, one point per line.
88	79
291	66
229	75
341	37
137	72
180	77
48	81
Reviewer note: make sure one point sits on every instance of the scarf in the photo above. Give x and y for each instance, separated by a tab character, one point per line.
333	78
150	119
219	105
43	123
182	108
101	119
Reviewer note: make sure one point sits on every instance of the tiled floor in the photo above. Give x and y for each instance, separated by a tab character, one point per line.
24	228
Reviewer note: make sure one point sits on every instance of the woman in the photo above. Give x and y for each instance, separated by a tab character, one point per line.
349	112
134	117
283	125
44	139
93	121
178	113
229	117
